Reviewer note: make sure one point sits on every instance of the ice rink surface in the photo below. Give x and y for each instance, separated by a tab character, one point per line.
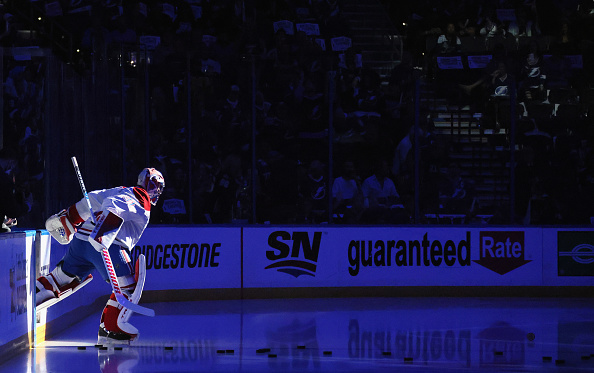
336	335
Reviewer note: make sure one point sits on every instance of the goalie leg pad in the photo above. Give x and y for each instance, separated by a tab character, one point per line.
114	327
139	276
57	284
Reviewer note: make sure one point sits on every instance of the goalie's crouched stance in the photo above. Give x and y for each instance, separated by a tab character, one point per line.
122	214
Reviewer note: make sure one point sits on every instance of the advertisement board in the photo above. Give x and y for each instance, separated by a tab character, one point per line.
191	258
568	257
16	295
334	257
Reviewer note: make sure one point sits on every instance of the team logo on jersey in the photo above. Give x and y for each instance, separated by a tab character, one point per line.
501	91
294	253
502	251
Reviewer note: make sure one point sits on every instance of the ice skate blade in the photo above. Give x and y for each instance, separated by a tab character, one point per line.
107	339
110	342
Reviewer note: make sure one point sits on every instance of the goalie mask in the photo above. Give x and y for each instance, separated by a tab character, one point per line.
153	182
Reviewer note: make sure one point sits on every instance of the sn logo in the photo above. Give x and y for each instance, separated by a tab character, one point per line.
286	252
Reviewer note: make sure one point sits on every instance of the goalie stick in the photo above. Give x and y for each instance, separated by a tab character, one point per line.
113	279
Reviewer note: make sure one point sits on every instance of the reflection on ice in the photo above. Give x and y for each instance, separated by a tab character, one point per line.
367	334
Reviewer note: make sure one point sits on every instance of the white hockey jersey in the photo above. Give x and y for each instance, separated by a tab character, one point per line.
131	204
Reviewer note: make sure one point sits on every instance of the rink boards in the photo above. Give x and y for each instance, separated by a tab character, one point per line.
210	262
336	257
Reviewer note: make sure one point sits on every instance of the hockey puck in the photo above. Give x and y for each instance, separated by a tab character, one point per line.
262	350
220	351
168	348
118	348
530	336
386	353
271	355
103	348
231	352
547	358
98	346
408	359
586	357
301	347
559	362
82	348
327	353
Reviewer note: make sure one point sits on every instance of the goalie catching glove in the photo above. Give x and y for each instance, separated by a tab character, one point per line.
62	225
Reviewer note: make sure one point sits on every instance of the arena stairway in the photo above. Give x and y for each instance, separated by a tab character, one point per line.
482	154
373	35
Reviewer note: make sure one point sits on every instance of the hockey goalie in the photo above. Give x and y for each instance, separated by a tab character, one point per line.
121	216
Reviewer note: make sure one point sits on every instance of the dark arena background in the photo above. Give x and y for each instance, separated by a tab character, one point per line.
351	186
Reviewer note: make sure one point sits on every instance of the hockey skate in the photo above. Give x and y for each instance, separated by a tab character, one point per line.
57	286
107	338
114	328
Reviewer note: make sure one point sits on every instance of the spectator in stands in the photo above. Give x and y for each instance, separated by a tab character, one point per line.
401	153
381	200
500	87
229	190
402	78
174	201
455	193
206	169
586	8
7	29
347	198
540	142
293	82
471	31
565	41
123	33
467	15
348	127
313	193
530	19
370	97
406	144
449	42
281	189
543	208
491	27
558	71
525	171
500	80
479	90
532	77
95	38
16	201
233	118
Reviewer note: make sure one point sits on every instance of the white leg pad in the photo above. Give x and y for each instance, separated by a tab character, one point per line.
125	313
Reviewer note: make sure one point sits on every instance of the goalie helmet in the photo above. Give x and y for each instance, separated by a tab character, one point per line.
153	182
